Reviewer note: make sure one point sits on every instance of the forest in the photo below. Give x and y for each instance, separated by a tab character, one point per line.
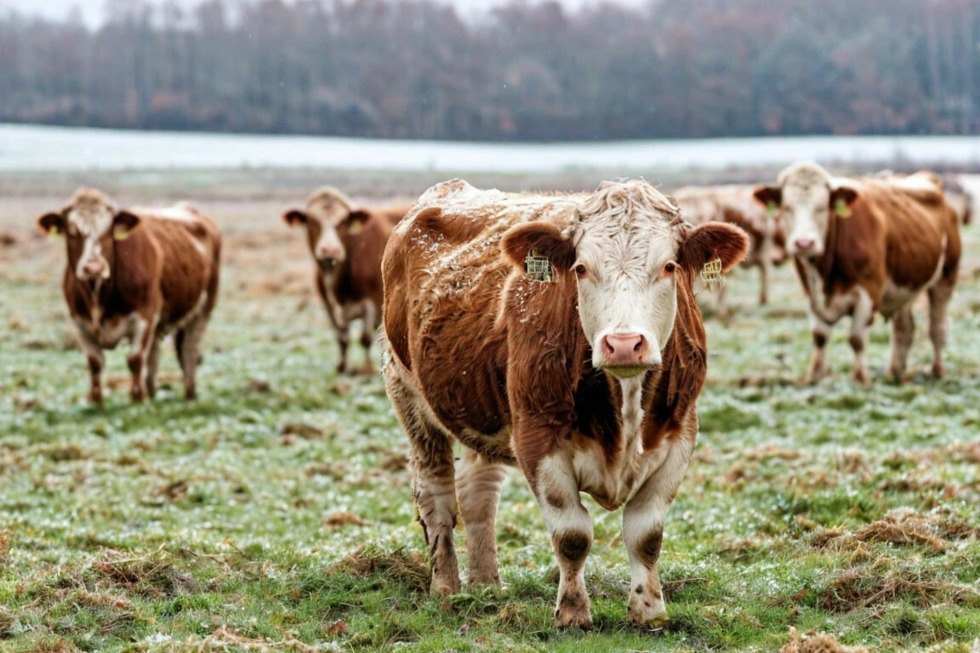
526	70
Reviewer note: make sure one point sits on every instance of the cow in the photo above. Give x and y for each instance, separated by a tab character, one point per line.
736	205
559	333
137	274
959	197
866	246
347	243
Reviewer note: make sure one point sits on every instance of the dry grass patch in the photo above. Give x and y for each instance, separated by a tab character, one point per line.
817	643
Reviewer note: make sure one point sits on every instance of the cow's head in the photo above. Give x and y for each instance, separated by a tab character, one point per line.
807	197
91	224
329	220
627	249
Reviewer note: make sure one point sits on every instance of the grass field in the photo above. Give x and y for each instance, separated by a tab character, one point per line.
275	513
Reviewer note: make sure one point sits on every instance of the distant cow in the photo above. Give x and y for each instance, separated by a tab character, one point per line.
137	273
735	205
560	333
959	197
869	245
347	244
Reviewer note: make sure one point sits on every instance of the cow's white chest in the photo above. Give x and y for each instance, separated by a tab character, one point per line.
612	482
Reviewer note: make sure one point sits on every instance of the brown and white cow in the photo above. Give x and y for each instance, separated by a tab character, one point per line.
347	244
560	333
139	274
736	205
866	246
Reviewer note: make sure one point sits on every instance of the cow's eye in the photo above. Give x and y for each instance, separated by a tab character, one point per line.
668	269
581	271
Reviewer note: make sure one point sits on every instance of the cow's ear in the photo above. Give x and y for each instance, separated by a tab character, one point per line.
123	224
713	241
294	217
770	196
51	223
544	239
841	199
356	219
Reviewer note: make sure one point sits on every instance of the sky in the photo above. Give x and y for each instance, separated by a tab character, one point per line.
92	9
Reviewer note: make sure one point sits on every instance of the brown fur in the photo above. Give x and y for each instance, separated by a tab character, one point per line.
161	271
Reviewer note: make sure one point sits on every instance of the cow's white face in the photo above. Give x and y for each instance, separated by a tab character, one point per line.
626	249
89	224
325	216
627	297
808	197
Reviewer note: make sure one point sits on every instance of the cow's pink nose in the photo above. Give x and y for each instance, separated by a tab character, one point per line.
804	244
330	254
93	267
625	349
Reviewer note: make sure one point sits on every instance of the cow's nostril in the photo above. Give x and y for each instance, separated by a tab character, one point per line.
638	345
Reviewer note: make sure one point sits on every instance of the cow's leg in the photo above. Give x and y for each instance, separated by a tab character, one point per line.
939	296
433	482
188	343
860	326
643	527
821	334
335	313
370	325
570	527
152	360
137	361
765	270
96	361
903	329
478	490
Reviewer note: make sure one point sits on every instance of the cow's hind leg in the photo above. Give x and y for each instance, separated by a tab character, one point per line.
152	361
903	330
478	489
570	527
187	342
143	342
433	480
368	329
643	528
939	296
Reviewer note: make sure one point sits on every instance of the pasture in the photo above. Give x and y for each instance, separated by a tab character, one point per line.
275	513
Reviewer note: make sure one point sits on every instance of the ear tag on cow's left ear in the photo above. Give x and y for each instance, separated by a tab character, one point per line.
538	267
842	209
712	275
771	208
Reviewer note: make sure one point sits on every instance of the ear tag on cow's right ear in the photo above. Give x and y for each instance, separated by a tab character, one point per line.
842	209
121	233
355	227
712	274
771	208
54	231
538	267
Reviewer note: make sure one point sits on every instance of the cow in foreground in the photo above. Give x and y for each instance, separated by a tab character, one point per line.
559	333
866	246
736	205
139	274
347	244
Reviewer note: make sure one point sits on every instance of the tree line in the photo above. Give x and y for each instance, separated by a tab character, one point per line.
528	70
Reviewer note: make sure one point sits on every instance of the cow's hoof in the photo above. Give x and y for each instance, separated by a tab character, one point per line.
862	377
651	617
938	370
443	587
95	398
570	620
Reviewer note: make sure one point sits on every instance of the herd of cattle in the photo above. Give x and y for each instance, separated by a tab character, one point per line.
557	332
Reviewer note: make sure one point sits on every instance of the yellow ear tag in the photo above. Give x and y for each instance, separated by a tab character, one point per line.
711	274
355	227
54	231
771	208
538	267
842	209
121	233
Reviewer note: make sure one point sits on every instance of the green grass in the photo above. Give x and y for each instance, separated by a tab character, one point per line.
275	513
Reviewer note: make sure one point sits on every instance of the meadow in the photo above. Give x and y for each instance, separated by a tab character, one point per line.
275	513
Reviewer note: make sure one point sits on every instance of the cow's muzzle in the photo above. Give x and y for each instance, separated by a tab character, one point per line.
328	263
627	354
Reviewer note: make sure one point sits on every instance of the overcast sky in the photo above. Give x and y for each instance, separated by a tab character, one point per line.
92	9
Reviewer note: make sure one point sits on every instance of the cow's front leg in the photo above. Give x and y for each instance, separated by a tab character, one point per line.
821	333
143	338
478	489
643	528
903	330
96	361
860	325
152	361
570	528
368	329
